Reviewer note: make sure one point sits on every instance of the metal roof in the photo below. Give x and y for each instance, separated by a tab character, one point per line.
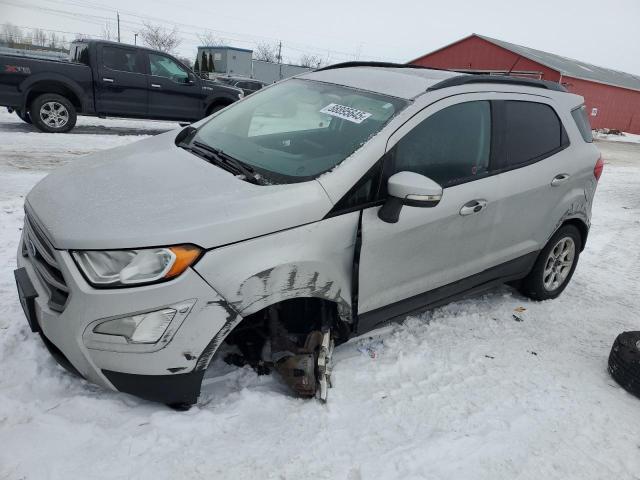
570	67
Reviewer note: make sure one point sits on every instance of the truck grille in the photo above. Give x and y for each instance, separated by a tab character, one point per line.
37	248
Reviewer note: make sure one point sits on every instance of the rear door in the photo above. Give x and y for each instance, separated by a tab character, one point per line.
536	174
121	84
173	93
428	248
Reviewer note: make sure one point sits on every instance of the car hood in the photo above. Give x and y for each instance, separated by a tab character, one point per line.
152	193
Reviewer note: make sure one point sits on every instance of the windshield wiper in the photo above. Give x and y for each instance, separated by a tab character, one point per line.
223	160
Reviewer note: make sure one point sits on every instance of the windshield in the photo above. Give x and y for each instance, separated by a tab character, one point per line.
298	129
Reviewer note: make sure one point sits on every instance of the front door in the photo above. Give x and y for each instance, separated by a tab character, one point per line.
431	248
173	93
121	84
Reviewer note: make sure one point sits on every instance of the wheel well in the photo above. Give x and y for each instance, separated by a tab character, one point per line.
223	102
582	228
53	87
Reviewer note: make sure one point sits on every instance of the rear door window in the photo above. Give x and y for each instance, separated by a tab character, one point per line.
122	59
582	121
533	131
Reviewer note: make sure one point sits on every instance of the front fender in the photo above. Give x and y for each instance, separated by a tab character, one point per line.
313	260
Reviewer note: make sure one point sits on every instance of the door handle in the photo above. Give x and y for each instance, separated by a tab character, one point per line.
107	80
474	206
559	179
155	85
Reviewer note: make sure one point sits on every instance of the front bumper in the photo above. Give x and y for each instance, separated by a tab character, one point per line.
169	371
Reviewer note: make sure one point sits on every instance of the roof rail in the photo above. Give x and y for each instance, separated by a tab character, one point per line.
463	79
378	64
482	78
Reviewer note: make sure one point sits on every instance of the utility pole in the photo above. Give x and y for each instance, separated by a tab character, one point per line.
280	58
118	17
135	39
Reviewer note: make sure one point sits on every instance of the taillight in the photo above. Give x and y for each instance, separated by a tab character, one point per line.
597	170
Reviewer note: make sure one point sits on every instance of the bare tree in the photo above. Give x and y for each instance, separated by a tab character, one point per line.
11	33
266	52
109	32
188	62
54	41
310	61
208	39
39	37
160	38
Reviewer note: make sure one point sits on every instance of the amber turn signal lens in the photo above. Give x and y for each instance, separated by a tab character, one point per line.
186	255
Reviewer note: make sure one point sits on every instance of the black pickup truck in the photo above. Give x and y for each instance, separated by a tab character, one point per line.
107	79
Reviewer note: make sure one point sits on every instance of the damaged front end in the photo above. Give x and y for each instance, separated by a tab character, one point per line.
295	339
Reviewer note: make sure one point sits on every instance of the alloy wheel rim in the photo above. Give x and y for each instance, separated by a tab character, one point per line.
558	264
54	114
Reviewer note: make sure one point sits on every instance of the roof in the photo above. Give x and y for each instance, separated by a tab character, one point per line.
401	82
570	67
224	47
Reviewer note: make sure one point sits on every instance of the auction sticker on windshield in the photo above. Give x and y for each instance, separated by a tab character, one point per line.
347	113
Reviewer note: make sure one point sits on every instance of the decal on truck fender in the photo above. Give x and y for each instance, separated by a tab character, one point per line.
17	69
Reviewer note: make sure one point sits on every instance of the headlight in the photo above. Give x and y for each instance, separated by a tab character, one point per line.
112	268
240	95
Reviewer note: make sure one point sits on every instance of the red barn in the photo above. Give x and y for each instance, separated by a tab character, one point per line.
612	97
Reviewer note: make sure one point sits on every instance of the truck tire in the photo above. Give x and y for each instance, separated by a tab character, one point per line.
53	113
25	117
555	265
624	362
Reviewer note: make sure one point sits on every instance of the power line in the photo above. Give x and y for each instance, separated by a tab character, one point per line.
231	36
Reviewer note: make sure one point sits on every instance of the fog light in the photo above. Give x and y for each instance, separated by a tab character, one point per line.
143	328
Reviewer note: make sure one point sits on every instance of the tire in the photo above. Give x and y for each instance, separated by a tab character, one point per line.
25	117
53	113
216	108
624	362
555	265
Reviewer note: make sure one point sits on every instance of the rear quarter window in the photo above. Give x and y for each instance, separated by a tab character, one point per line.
582	121
533	132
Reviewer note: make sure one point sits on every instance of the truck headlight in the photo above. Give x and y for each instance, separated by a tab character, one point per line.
114	268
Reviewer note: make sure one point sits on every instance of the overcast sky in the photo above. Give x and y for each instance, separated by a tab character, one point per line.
605	33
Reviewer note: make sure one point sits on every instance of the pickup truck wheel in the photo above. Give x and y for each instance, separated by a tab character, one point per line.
25	117
555	265
53	113
215	108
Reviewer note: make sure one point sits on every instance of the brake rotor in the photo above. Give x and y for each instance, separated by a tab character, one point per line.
308	371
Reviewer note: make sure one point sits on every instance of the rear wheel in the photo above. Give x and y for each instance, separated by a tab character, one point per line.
555	265
53	113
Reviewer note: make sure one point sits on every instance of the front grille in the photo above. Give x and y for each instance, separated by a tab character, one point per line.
38	249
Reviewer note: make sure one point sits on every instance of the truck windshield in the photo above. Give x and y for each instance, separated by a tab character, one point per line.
298	129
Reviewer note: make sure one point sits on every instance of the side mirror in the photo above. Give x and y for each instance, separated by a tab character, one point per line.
411	189
190	80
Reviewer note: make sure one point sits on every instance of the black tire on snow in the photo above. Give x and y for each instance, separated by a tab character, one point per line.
34	112
532	285
624	362
25	117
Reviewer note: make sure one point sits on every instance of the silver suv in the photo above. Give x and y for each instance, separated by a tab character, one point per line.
311	212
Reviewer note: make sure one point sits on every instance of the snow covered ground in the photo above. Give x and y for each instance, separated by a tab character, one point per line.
623	137
463	392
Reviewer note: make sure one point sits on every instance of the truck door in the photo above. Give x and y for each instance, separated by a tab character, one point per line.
121	83
174	94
